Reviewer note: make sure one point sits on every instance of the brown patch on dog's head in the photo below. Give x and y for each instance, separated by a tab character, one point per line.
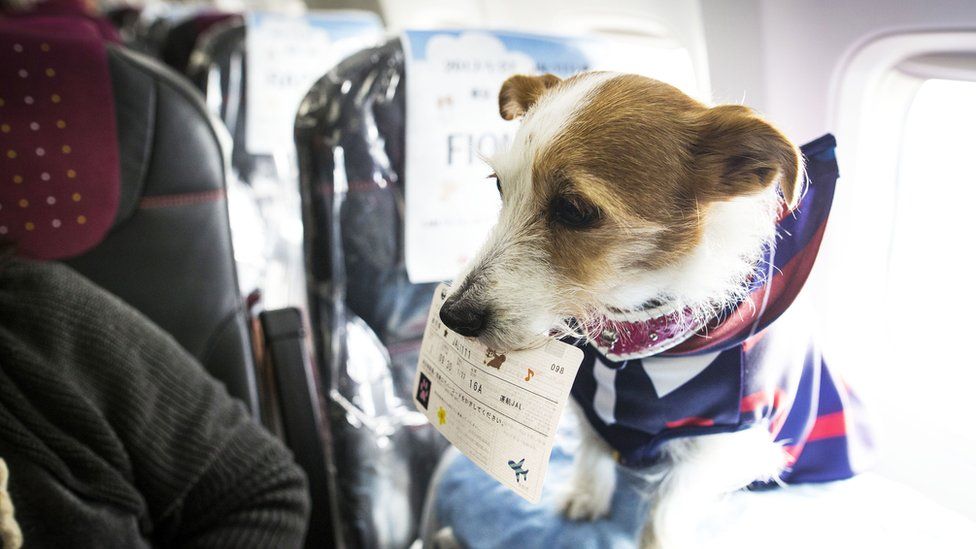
624	154
742	154
610	188
520	92
650	161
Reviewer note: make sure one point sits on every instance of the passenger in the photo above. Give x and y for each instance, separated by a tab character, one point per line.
113	436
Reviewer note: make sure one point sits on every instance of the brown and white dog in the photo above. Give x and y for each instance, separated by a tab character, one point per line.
621	192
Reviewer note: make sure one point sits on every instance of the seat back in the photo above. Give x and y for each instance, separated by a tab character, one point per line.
218	69
181	39
122	171
263	154
125	19
368	319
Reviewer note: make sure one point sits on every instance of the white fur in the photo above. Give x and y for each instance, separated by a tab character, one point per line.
543	123
512	273
445	539
693	472
716	271
590	493
697	471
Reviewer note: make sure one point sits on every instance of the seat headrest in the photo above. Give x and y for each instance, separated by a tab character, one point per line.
47	7
182	39
59	160
65	8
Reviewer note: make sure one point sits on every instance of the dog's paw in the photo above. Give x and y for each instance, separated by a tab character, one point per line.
650	542
577	504
444	539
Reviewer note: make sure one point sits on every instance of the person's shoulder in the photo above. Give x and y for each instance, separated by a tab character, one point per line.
54	311
51	296
50	280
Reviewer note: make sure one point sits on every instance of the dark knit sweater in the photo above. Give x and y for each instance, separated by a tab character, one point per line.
116	437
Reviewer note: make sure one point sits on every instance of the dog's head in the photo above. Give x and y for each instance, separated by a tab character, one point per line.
620	192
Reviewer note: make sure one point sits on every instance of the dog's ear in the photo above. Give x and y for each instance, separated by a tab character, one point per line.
742	154
520	92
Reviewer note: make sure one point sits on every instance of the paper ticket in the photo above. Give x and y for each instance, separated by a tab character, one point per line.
500	410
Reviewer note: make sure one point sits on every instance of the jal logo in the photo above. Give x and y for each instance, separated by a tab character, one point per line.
423	391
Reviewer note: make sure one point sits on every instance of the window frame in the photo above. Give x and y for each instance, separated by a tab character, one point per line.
872	93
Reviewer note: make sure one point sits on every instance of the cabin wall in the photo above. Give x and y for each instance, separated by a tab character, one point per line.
783	56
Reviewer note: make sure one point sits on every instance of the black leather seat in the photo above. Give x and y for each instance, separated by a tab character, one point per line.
218	66
169	253
175	165
181	39
368	319
165	247
219	69
125	18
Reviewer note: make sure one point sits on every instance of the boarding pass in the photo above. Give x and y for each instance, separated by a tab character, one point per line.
500	410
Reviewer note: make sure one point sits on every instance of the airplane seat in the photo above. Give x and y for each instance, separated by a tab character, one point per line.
113	166
218	68
66	8
181	39
238	88
125	18
150	30
272	265
367	317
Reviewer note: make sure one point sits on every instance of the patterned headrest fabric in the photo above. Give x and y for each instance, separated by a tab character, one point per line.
82	9
47	7
59	159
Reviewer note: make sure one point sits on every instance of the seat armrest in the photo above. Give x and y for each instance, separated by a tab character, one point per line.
300	412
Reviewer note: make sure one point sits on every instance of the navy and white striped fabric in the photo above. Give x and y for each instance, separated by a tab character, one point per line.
752	365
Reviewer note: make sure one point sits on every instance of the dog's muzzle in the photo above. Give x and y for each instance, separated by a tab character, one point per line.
464	316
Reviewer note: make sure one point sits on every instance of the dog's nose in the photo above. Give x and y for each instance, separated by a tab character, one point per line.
463	318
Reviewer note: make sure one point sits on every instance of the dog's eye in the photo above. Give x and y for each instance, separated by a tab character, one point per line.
498	182
574	213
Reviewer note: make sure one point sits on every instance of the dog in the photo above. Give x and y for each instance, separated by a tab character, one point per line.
636	220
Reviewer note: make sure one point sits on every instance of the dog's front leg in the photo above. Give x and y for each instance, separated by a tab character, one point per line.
590	492
695	472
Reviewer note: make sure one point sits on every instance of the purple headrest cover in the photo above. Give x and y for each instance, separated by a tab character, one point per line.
68	8
59	159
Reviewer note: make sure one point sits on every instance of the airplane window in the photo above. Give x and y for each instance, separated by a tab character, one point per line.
931	265
893	278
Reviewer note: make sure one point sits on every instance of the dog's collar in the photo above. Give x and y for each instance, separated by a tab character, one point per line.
787	263
627	335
